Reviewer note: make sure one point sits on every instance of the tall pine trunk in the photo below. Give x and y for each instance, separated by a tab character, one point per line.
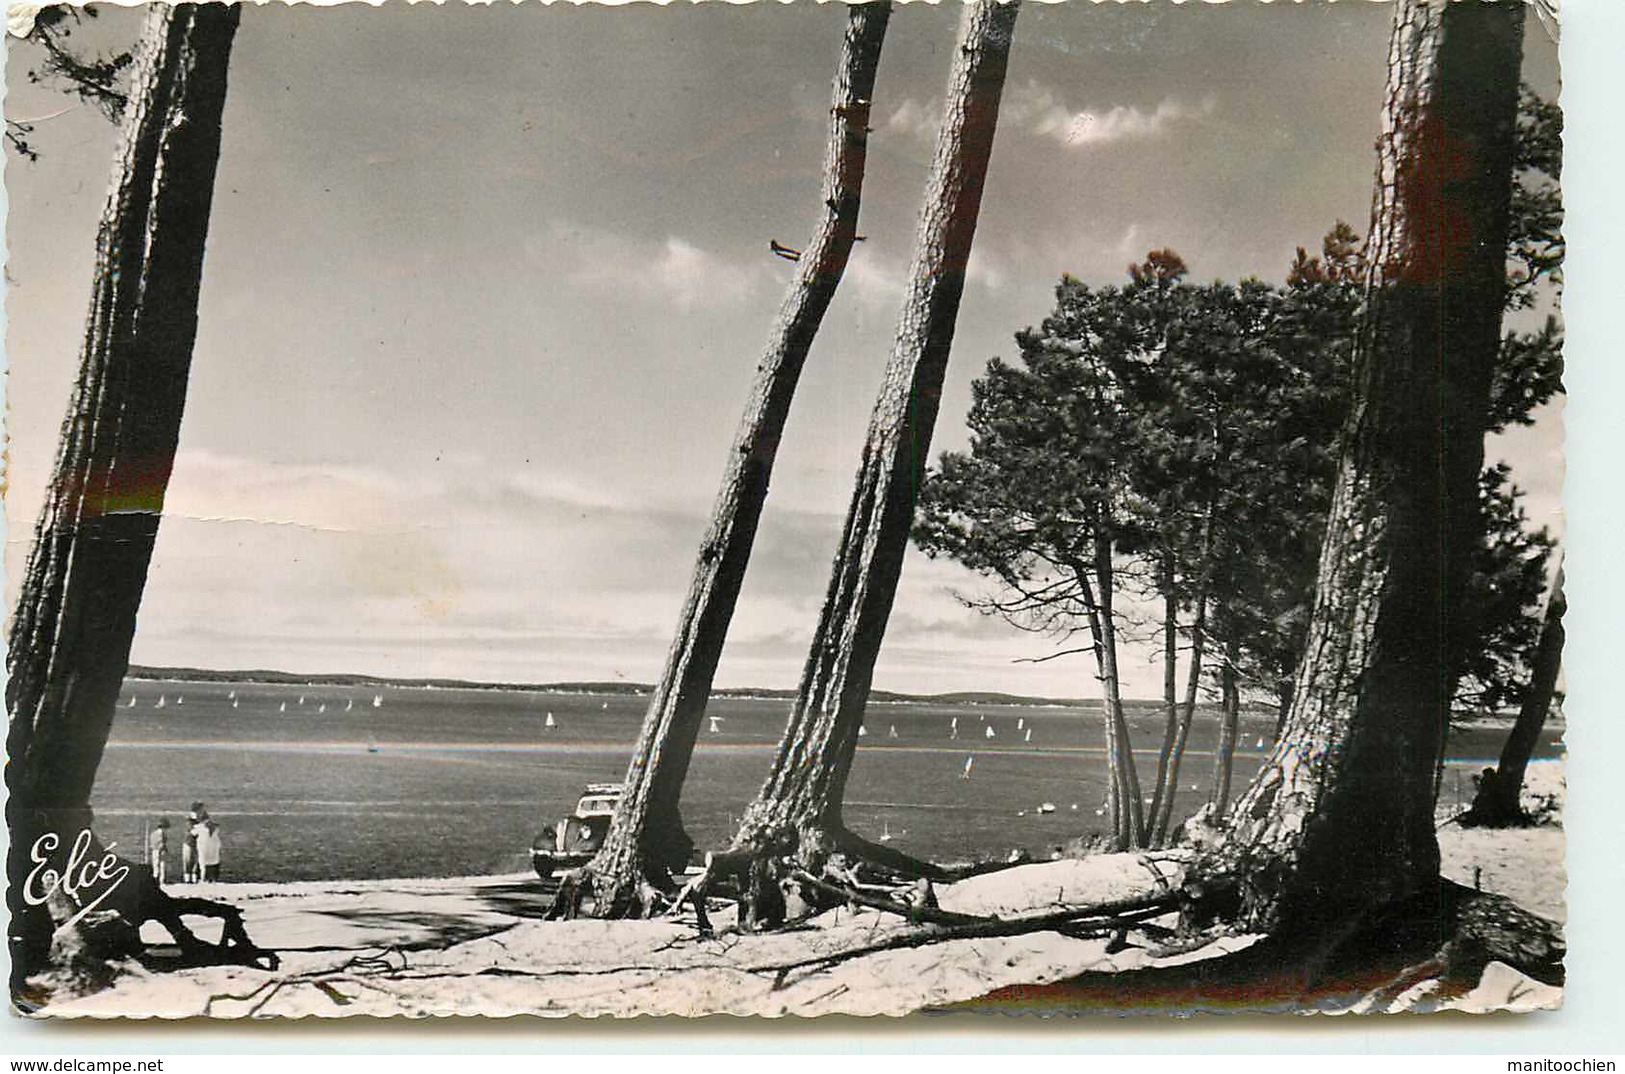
1122	786
75	620
646	838
1499	789
798	810
1340	818
1170	693
1182	730
1128	811
1224	754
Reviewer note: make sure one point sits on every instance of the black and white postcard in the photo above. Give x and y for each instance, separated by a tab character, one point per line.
784	509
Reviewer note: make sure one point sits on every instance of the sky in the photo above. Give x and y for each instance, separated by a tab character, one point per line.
485	291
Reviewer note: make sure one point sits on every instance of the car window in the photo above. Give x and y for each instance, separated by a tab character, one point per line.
588	807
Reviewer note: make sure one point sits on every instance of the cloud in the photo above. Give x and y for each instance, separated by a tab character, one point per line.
672	270
916	119
1039	110
880	282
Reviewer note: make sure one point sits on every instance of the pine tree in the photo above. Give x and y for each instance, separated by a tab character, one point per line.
75	620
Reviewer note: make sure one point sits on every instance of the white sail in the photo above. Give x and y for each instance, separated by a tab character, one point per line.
1028	737
1021	722
891	732
377	700
863	732
162	701
969	762
550	722
322	707
350	704
282	707
716	725
180	699
990	733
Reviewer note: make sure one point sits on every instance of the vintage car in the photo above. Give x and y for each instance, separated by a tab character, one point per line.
573	841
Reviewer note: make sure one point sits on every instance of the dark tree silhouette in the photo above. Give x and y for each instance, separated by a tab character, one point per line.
75	620
797	814
1340	819
1496	803
646	840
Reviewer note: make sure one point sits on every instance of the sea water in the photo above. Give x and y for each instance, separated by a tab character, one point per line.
450	782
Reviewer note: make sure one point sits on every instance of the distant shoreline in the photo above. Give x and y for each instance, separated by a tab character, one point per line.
617	688
642	689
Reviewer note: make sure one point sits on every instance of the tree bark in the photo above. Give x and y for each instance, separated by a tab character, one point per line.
1496	803
75	621
646	838
798	810
1340	819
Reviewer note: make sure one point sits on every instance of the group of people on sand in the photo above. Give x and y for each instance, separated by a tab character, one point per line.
200	848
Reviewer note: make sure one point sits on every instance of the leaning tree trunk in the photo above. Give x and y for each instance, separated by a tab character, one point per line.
1340	819
75	621
798	811
646	840
1496	803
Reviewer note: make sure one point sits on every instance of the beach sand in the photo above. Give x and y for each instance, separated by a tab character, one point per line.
477	946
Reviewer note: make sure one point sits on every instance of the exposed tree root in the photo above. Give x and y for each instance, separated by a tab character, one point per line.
768	869
604	897
1450	934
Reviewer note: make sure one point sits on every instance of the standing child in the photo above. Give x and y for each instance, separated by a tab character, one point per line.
208	850
158	850
194	825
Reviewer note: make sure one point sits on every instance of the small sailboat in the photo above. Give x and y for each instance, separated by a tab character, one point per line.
232	696
989	732
301	699
377	700
350	704
1259	744
131	705
282	707
953	728
863	732
234	702
550	722
885	831
180	699
891	732
161	702
1046	807
605	705
969	763
1028	737
716	724
322	707
1021	722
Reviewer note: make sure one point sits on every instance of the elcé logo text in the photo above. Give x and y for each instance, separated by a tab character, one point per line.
82	873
